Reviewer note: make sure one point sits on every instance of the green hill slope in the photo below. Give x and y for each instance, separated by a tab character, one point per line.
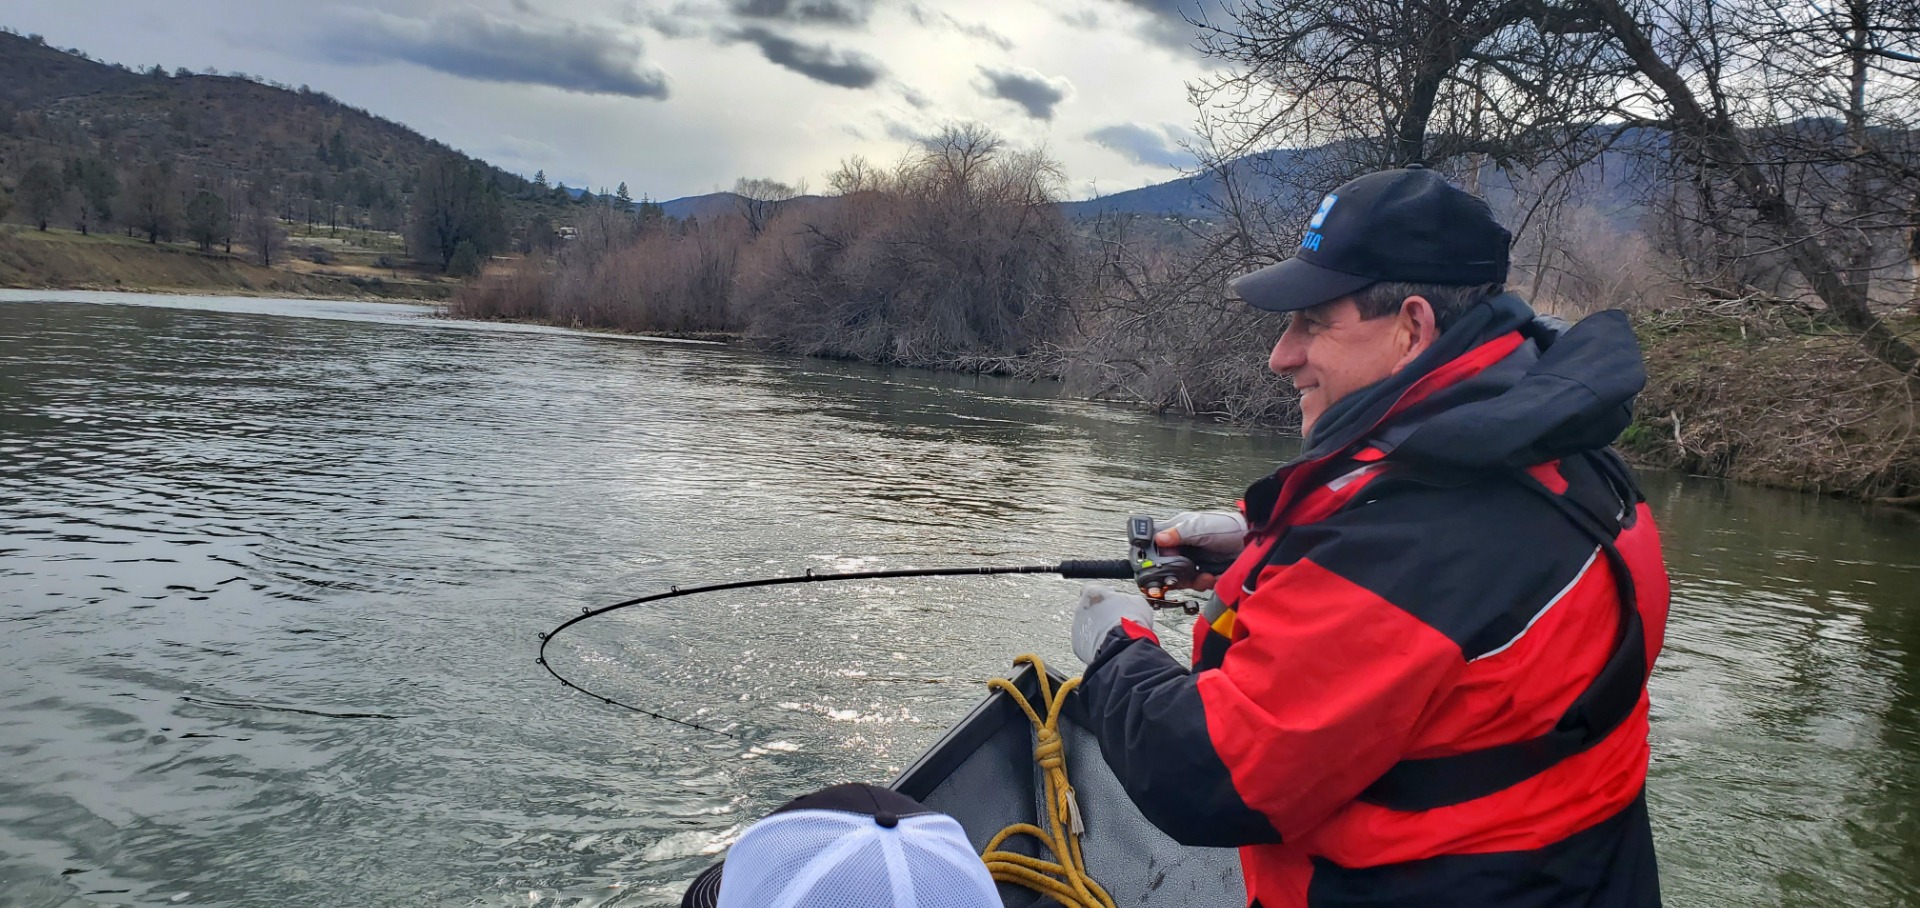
319	161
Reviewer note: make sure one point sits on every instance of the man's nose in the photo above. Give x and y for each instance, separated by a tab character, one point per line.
1289	354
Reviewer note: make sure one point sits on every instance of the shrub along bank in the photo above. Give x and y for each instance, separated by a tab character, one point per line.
959	259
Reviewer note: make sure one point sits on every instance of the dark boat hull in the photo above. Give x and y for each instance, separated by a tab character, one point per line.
983	774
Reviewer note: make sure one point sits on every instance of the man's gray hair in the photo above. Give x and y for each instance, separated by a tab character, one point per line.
1449	301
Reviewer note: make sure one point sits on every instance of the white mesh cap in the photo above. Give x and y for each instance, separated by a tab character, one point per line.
868	848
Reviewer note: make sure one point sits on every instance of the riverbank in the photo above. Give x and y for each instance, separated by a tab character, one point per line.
68	260
1778	398
1766	397
1769	397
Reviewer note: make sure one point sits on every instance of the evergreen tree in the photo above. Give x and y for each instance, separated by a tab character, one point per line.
207	220
465	261
540	180
338	154
98	186
156	207
623	197
650	214
41	192
539	235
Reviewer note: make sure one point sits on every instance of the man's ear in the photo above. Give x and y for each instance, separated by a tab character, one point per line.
1418	328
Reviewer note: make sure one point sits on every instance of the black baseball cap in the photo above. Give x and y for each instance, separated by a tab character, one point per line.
1396	225
884	806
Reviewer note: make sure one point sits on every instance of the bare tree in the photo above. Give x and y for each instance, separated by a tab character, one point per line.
957	257
1728	84
1913	252
263	230
455	202
1698	69
1393	82
760	200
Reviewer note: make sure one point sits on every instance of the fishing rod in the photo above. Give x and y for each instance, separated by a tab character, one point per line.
1153	570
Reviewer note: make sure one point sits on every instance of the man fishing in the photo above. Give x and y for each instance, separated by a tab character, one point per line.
1423	680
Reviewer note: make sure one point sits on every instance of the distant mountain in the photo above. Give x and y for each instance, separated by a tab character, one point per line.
1198	196
226	132
715	204
1611	185
704	207
1183	197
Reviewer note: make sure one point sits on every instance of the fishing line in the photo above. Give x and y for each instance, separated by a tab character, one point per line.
1074	570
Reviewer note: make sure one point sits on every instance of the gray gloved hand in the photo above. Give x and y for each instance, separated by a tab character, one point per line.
1100	611
1221	534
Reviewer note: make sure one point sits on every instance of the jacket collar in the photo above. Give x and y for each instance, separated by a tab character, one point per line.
1501	388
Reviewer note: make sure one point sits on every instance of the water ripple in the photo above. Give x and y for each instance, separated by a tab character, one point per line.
273	573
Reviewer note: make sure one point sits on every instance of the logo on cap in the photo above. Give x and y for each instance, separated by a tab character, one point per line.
1320	217
1311	240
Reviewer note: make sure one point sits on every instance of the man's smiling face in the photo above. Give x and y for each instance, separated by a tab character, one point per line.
1329	351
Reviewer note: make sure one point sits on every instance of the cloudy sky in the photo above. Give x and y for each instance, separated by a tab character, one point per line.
680	97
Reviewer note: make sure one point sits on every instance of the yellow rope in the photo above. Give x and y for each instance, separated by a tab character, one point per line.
1063	879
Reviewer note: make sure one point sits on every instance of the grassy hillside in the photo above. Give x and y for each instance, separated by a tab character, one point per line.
64	258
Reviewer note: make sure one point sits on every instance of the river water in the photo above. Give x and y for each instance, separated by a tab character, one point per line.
273	571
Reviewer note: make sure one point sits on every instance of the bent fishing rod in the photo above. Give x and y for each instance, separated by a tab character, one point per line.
1074	570
1147	565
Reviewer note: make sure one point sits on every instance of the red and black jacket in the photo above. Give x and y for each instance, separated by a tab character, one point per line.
1424	682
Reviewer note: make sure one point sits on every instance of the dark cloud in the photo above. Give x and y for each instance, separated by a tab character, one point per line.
1083	18
475	46
1142	145
933	18
822	63
680	21
809	12
915	97
1167	19
1031	90
902	131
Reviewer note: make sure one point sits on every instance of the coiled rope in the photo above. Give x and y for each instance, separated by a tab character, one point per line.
1063	879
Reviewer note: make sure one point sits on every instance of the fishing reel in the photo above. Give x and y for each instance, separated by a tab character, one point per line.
1158	571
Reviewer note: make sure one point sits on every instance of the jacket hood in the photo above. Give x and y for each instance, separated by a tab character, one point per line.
1562	391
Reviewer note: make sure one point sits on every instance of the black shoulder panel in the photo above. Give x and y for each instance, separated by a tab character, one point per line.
1475	560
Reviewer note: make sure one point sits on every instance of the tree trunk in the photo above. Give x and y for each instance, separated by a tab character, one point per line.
1856	238
1410	140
